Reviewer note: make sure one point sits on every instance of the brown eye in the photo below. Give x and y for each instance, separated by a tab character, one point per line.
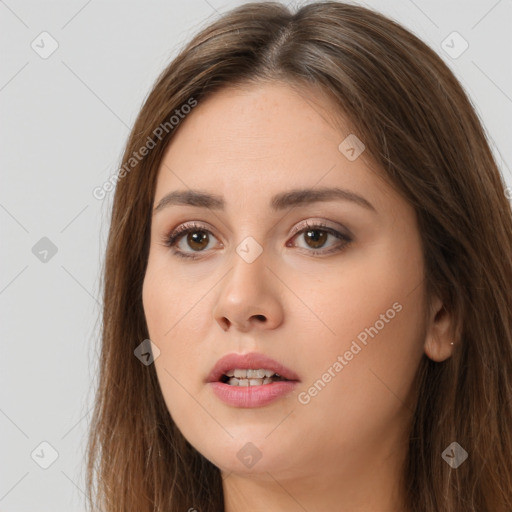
197	240
189	240
315	238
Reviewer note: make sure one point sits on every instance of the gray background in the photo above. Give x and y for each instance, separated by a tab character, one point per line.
64	120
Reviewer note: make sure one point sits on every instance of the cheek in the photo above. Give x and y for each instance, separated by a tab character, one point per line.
341	299
174	313
169	301
358	394
369	312
361	384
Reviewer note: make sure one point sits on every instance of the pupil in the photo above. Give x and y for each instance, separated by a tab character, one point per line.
195	238
317	240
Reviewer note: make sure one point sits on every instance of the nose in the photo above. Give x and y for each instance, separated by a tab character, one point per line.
249	297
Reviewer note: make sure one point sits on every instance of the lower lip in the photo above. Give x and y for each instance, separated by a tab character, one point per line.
252	396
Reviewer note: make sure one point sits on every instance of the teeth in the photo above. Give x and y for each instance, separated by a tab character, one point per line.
249	382
250	373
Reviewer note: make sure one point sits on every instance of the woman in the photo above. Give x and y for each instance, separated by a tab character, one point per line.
307	282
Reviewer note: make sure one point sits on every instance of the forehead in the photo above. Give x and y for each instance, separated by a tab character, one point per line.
256	117
260	140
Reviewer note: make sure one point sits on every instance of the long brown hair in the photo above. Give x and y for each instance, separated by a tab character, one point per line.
419	126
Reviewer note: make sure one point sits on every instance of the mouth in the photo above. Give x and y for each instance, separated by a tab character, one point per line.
250	377
251	369
251	380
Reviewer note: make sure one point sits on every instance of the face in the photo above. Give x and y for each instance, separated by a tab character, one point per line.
330	285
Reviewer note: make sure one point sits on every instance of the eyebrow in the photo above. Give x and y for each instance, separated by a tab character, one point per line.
281	201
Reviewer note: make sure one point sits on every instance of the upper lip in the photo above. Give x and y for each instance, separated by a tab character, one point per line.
252	360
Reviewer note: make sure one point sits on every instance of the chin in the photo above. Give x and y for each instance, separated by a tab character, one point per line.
250	451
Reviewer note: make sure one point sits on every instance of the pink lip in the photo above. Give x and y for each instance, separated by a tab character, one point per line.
250	396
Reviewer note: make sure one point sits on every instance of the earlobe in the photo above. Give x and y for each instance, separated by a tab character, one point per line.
439	342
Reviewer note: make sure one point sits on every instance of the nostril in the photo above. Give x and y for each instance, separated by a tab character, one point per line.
224	323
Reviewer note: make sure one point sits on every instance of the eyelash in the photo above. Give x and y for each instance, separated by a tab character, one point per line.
170	239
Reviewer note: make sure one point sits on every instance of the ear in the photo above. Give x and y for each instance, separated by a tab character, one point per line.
439	342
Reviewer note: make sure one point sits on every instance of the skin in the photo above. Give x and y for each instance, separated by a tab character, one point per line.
344	449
